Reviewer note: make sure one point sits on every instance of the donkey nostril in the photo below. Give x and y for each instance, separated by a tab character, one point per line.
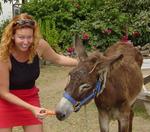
60	116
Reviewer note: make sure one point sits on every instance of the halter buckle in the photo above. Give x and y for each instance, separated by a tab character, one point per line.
77	107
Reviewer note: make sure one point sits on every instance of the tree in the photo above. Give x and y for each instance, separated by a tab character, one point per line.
0	8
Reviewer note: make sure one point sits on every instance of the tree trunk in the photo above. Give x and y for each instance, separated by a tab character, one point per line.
24	1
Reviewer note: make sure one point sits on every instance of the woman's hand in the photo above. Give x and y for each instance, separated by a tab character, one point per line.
39	113
42	113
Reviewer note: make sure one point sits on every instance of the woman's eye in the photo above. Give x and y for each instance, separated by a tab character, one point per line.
29	37
21	37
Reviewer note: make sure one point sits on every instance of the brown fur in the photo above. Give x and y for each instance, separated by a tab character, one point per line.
124	81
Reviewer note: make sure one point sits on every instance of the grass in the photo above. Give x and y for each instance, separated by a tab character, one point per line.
140	110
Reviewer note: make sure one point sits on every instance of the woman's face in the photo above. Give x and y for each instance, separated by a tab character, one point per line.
23	39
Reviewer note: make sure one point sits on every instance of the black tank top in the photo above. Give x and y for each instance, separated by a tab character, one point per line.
22	74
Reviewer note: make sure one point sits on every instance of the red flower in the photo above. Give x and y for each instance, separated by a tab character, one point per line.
126	41
136	34
107	31
70	49
85	36
124	38
94	47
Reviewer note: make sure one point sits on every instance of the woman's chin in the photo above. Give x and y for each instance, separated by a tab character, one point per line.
24	49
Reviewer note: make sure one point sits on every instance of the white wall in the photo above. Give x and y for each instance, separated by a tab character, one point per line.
146	64
6	10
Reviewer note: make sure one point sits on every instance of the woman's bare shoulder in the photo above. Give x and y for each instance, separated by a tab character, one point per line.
43	43
41	47
5	65
5	68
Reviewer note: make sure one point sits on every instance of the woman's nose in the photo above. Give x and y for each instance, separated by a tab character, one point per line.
26	40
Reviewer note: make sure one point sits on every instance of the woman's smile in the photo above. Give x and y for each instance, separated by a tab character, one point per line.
23	38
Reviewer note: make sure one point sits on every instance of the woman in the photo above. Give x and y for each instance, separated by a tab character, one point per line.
20	50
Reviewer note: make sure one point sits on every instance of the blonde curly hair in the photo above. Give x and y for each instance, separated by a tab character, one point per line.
7	41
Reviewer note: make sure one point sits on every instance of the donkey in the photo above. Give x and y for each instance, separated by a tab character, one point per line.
113	79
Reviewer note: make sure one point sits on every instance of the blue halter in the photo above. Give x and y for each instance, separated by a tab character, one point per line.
77	104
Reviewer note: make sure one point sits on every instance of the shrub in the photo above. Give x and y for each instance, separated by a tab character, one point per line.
105	21
2	26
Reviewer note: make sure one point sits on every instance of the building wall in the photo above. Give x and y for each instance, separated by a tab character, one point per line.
6	11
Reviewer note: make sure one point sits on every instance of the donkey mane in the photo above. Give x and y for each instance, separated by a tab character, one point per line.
130	53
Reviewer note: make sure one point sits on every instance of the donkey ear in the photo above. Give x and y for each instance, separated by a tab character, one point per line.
80	49
103	61
115	58
112	59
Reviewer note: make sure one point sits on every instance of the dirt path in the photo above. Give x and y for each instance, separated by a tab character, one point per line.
51	83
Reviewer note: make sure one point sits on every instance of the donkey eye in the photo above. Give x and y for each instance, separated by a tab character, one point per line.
84	86
68	79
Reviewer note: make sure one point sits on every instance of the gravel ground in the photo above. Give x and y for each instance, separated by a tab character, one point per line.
51	83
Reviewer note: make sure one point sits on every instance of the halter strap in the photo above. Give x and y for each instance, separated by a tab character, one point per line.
77	104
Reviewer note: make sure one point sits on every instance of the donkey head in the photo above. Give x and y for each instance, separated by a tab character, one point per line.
83	80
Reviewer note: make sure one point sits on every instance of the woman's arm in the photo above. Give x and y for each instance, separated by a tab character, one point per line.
49	54
5	94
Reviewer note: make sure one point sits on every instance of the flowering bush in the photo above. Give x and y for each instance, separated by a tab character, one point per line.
125	38
136	34
100	23
107	31
70	49
85	36
71	52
